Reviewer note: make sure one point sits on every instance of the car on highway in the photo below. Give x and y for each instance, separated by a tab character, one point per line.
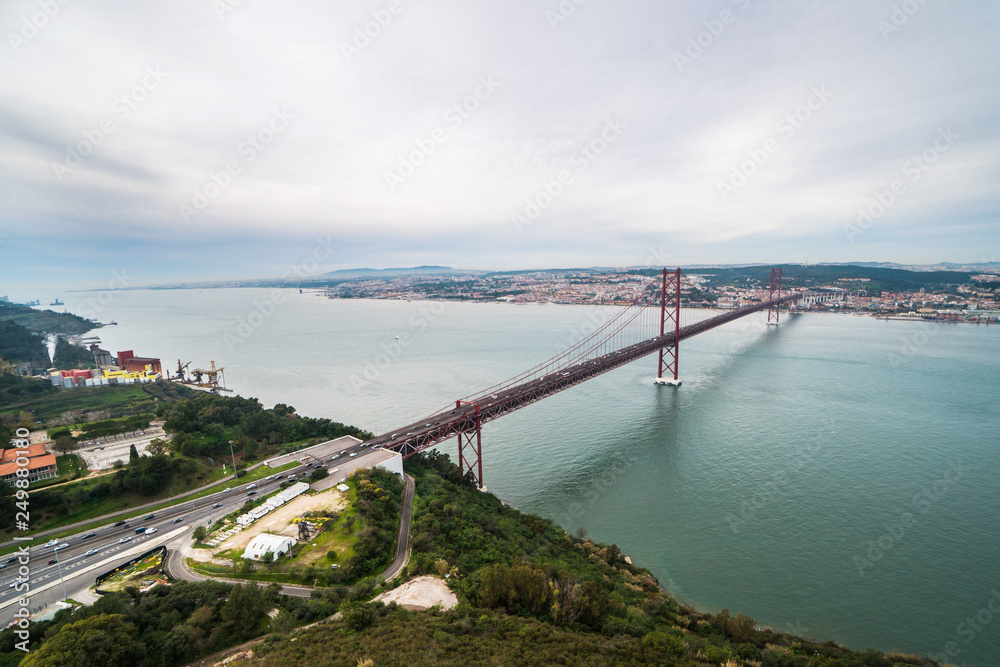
52	561
178	519
252	493
61	546
217	505
127	538
120	523
226	489
91	552
268	477
279	476
150	531
12	559
354	453
251	486
52	543
291	477
149	517
88	536
140	530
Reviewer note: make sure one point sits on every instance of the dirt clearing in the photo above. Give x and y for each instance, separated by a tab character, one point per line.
421	593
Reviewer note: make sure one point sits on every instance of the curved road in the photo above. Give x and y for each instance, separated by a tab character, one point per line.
176	567
403	538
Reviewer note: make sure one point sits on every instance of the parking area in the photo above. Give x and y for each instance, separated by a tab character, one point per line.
103	456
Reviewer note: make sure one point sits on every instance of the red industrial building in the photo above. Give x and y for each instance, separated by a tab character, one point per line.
127	361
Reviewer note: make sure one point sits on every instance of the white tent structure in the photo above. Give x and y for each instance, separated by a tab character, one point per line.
260	545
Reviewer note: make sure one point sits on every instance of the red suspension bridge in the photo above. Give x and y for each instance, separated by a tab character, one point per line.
649	324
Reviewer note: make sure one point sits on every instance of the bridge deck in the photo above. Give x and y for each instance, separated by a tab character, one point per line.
410	439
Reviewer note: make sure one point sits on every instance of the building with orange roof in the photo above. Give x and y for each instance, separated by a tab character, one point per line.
41	464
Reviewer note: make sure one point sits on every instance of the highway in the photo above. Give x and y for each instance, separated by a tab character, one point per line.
96	549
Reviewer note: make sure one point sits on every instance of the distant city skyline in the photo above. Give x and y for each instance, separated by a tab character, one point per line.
215	141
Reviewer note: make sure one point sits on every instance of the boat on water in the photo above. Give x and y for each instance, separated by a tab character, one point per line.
57	302
112	322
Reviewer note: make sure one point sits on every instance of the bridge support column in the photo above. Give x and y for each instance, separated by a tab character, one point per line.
774	311
670	313
470	444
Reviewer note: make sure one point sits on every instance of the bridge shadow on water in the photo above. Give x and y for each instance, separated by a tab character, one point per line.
648	433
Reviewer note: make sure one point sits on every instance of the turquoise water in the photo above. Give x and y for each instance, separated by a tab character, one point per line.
834	477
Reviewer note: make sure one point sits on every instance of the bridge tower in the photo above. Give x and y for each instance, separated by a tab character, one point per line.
470	443
670	317
775	293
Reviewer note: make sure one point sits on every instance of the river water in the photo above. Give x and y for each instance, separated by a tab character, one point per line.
834	477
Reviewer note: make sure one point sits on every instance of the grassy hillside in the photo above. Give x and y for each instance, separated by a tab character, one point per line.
46	402
530	594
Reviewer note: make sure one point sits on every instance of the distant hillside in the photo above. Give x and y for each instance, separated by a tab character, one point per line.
18	345
344	274
873	279
45	320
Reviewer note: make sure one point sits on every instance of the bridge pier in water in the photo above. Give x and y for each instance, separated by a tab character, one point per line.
670	313
775	309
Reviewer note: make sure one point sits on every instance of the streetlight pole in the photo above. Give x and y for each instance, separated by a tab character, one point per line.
235	476
61	580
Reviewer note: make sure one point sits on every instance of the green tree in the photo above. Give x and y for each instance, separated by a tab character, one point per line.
64	444
133	453
157	446
200	532
105	640
243	611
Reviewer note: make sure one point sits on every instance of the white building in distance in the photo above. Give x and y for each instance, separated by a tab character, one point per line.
260	545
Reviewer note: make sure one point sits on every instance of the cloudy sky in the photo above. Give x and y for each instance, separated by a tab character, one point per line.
202	139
